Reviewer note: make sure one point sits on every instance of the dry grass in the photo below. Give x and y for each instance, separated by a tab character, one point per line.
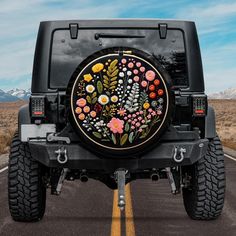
8	123
225	121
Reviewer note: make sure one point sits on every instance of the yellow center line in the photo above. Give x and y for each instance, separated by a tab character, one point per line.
116	215
129	219
116	222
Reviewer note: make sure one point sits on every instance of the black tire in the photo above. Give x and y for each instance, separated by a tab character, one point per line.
26	191
120	146
204	199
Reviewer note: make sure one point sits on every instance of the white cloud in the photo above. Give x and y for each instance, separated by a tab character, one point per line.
20	20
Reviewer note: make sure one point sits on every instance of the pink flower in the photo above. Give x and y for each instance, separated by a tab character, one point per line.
142	69
159	112
138	124
121	111
140	130
125	118
143	121
116	125
138	64
81	102
153	113
149	116
134	115
141	112
132	127
150	110
131	65
137	113
129	116
140	118
136	78
133	122
144	83
150	75
129	120
123	61
135	71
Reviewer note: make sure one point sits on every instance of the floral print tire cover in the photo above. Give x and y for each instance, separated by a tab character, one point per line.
118	101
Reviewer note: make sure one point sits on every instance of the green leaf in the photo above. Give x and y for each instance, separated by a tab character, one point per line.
113	83
113	63
99	87
143	126
94	95
94	100
114	73
143	136
113	138
123	139
88	98
127	127
114	78
131	135
97	135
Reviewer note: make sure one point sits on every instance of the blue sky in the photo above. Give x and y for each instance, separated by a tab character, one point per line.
215	20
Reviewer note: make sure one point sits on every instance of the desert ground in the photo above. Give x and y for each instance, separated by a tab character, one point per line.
225	120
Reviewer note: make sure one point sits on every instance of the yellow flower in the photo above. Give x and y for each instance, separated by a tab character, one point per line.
146	105
97	67
114	98
88	77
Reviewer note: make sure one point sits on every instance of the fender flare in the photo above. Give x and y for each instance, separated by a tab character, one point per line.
23	117
210	123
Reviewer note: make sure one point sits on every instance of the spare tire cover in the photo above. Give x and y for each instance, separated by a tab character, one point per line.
119	101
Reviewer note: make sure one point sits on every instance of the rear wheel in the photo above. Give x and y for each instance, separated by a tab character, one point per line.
204	198
26	191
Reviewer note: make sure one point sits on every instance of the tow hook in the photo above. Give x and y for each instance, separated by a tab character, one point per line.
62	157
120	176
179	154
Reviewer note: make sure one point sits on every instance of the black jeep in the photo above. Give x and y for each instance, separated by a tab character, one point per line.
117	100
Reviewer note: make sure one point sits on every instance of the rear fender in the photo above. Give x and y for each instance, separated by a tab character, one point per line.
23	117
210	123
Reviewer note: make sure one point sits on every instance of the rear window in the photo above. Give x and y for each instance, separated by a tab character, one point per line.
68	53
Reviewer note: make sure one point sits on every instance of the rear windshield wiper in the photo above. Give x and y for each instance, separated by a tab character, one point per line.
103	35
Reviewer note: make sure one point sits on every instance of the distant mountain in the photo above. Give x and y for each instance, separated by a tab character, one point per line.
227	94
6	97
20	93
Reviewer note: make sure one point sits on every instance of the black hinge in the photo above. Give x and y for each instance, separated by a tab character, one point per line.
163	30
74	30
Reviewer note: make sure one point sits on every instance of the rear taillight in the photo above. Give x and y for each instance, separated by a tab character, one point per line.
199	105
37	105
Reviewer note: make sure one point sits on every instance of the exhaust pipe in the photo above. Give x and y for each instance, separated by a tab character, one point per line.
154	176
83	177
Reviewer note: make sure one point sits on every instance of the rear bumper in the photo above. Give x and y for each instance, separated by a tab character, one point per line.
80	158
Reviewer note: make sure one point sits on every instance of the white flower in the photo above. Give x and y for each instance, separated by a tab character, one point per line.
129	73
120	81
121	74
103	99
124	69
130	81
90	88
114	98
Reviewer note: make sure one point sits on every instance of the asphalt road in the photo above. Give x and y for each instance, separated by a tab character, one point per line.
90	209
